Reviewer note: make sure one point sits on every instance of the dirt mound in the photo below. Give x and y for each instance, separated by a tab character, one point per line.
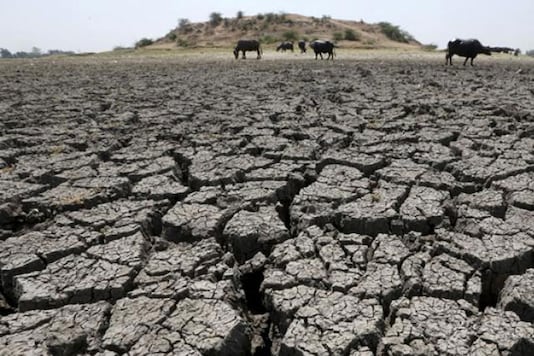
270	29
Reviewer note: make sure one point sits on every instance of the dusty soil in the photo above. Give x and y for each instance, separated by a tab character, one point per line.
379	204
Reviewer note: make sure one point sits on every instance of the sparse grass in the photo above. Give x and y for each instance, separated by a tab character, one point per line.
54	150
268	39
376	197
430	47
337	36
182	43
351	35
75	198
290	35
7	170
347	35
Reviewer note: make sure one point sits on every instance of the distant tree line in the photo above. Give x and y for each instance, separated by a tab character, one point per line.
34	53
530	53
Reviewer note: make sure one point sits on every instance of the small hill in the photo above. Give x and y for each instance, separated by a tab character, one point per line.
272	28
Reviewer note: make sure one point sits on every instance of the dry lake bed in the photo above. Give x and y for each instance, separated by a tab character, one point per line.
379	204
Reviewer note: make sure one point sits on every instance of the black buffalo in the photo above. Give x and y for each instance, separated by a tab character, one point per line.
302	46
320	47
247	45
285	46
465	48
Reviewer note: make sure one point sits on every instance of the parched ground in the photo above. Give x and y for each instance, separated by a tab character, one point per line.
380	204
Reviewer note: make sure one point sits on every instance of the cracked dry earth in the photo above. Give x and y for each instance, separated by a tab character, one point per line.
167	206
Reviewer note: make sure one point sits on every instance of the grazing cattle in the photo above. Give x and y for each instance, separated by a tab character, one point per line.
247	45
320	47
302	46
285	46
465	48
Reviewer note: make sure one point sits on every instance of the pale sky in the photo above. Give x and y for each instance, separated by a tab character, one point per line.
101	25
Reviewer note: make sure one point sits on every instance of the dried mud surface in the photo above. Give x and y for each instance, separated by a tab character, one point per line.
171	206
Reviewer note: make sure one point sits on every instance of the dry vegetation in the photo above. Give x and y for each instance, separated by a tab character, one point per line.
272	28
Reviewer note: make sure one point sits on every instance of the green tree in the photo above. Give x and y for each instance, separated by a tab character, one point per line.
4	53
394	33
143	42
271	17
184	25
215	19
36	52
171	36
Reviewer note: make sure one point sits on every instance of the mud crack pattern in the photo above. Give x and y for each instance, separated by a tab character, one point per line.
164	206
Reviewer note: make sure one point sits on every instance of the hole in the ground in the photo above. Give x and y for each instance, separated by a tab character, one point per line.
155	224
292	189
263	351
283	210
522	347
492	284
7	304
260	319
182	167
451	212
251	283
266	344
